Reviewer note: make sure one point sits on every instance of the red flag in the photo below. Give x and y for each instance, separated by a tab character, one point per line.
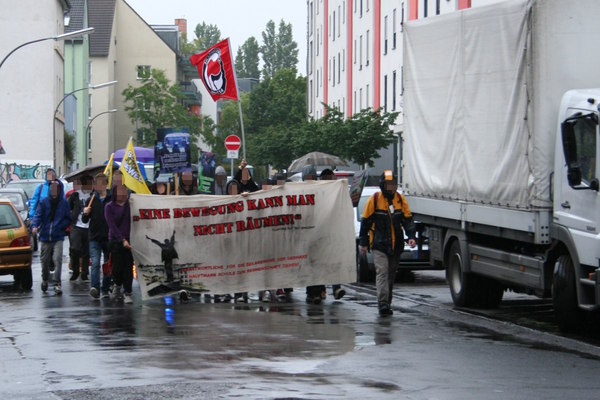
216	71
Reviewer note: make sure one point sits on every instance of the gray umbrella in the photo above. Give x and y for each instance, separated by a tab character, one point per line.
90	170
316	159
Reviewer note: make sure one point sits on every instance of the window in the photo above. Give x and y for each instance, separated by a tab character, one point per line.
354	53
394	28
394	91
333	71
343	59
385	94
89	138
360	55
361	1
311	18
385	34
89	111
310	104
437	7
367	1
585	137
334	26
402	17
310	57
367	96
317	83
144	72
425	7
344	12
367	48
360	99
339	67
339	20
318	33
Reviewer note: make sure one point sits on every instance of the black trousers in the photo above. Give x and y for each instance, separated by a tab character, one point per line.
122	265
79	250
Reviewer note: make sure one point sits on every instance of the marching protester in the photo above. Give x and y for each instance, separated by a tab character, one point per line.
220	181
41	191
93	214
117	214
52	217
188	184
316	293
328	175
385	215
244	177
245	184
79	249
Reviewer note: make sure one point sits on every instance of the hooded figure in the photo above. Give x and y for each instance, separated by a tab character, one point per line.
309	173
41	191
220	181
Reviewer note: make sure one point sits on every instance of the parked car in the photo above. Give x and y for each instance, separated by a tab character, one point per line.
28	185
20	200
15	247
410	259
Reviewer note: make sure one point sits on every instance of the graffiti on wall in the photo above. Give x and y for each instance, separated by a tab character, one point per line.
15	172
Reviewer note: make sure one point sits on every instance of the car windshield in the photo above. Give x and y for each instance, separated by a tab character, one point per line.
27	186
8	218
15	198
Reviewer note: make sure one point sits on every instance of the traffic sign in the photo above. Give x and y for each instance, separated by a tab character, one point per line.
233	154
233	142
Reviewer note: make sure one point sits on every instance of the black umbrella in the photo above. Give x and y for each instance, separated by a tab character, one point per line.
315	158
89	170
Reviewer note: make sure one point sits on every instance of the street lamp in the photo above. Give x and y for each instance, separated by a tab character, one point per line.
64	36
98	86
87	129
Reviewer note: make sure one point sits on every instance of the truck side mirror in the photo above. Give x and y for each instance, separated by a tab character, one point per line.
570	152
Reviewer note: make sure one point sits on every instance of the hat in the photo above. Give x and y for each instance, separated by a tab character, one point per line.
220	171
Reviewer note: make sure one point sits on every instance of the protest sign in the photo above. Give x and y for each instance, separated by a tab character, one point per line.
294	235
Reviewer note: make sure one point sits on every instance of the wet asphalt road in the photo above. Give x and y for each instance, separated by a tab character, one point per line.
72	347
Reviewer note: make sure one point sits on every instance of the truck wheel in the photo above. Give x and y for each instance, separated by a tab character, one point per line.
564	295
457	279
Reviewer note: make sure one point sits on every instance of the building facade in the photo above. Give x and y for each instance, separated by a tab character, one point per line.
32	84
355	60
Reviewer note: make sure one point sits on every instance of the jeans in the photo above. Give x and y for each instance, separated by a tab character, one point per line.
98	250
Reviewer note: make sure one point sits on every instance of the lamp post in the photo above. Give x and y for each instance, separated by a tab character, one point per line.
98	86
64	36
87	129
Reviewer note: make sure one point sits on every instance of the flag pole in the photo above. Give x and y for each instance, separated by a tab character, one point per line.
242	125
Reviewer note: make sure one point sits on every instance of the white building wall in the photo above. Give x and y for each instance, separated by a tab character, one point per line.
31	83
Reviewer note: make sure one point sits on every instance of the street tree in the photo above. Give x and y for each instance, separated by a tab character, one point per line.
207	35
69	147
278	49
247	58
158	104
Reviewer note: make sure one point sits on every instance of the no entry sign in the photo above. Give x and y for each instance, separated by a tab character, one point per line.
233	142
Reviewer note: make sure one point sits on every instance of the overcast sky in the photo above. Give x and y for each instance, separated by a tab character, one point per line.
237	19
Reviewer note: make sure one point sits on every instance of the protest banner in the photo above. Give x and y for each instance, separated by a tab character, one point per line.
294	235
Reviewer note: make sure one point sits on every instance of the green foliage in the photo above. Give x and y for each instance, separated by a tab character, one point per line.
207	35
69	147
278	50
247	58
157	104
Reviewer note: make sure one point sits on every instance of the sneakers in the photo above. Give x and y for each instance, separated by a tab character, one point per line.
281	295
74	277
115	292
184	296
105	294
385	310
253	296
266	297
339	293
314	299
57	290
44	286
241	297
94	293
127	299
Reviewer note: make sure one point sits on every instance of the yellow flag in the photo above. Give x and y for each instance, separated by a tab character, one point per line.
109	169
132	177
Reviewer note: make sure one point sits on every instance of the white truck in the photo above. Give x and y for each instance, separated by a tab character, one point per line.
500	150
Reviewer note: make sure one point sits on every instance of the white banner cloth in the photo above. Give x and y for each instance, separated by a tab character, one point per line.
295	235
